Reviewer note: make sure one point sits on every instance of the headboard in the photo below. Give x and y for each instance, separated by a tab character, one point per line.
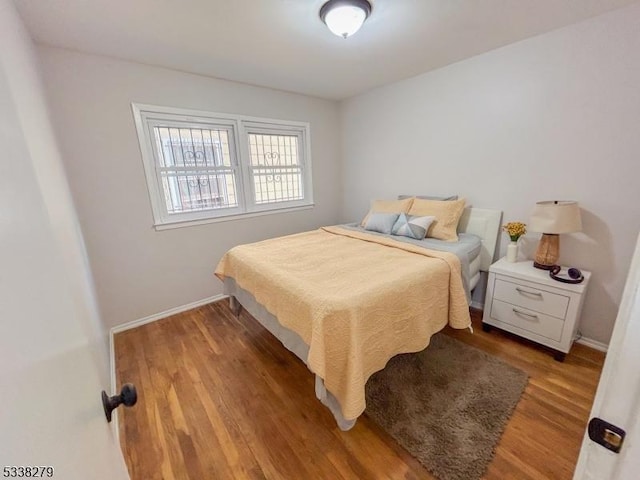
486	224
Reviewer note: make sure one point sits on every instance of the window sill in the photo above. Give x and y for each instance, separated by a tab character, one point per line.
227	218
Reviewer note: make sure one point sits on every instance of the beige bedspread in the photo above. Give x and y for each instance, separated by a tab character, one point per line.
356	299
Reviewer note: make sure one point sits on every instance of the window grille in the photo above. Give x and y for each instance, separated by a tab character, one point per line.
195	168
275	168
202	166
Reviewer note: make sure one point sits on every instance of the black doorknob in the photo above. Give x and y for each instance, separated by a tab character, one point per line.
128	396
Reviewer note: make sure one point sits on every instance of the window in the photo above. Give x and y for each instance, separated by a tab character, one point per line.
203	167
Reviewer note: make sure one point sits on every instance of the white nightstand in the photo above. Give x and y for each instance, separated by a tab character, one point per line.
524	300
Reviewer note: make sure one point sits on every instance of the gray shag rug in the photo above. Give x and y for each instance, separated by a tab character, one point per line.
447	405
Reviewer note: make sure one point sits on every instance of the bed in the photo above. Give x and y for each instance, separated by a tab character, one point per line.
345	300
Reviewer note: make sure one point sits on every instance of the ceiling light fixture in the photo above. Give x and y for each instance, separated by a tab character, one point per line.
345	17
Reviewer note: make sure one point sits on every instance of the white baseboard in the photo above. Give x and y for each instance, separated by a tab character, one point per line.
138	323
167	313
602	347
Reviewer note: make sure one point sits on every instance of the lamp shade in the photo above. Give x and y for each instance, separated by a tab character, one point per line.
555	217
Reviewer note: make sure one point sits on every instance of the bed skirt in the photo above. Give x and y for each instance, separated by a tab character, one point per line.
290	340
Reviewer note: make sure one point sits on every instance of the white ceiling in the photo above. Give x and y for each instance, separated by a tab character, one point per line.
283	44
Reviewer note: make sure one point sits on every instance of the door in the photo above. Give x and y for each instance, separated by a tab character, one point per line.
617	399
52	363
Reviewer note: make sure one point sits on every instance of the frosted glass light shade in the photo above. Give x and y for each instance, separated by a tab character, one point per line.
345	17
555	217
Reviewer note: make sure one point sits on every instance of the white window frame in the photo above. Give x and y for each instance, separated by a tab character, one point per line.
239	127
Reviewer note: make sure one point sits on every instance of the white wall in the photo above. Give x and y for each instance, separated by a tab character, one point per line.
139	271
54	363
552	117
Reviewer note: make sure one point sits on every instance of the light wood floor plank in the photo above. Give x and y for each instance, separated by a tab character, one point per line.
220	397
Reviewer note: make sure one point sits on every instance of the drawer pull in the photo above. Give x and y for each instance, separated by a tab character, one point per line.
520	312
537	294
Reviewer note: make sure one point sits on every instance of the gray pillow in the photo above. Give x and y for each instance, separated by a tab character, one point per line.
412	226
381	222
430	197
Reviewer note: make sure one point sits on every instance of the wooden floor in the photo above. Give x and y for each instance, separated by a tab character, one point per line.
220	398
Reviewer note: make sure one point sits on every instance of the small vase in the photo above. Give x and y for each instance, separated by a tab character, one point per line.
512	252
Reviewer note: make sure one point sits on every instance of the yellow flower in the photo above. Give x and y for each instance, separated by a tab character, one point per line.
515	230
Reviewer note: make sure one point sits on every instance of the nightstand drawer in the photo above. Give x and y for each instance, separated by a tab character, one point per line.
531	298
534	322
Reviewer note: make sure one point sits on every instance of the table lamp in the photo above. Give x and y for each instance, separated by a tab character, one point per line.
552	218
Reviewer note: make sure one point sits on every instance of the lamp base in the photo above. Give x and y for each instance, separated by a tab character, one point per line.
542	267
548	251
